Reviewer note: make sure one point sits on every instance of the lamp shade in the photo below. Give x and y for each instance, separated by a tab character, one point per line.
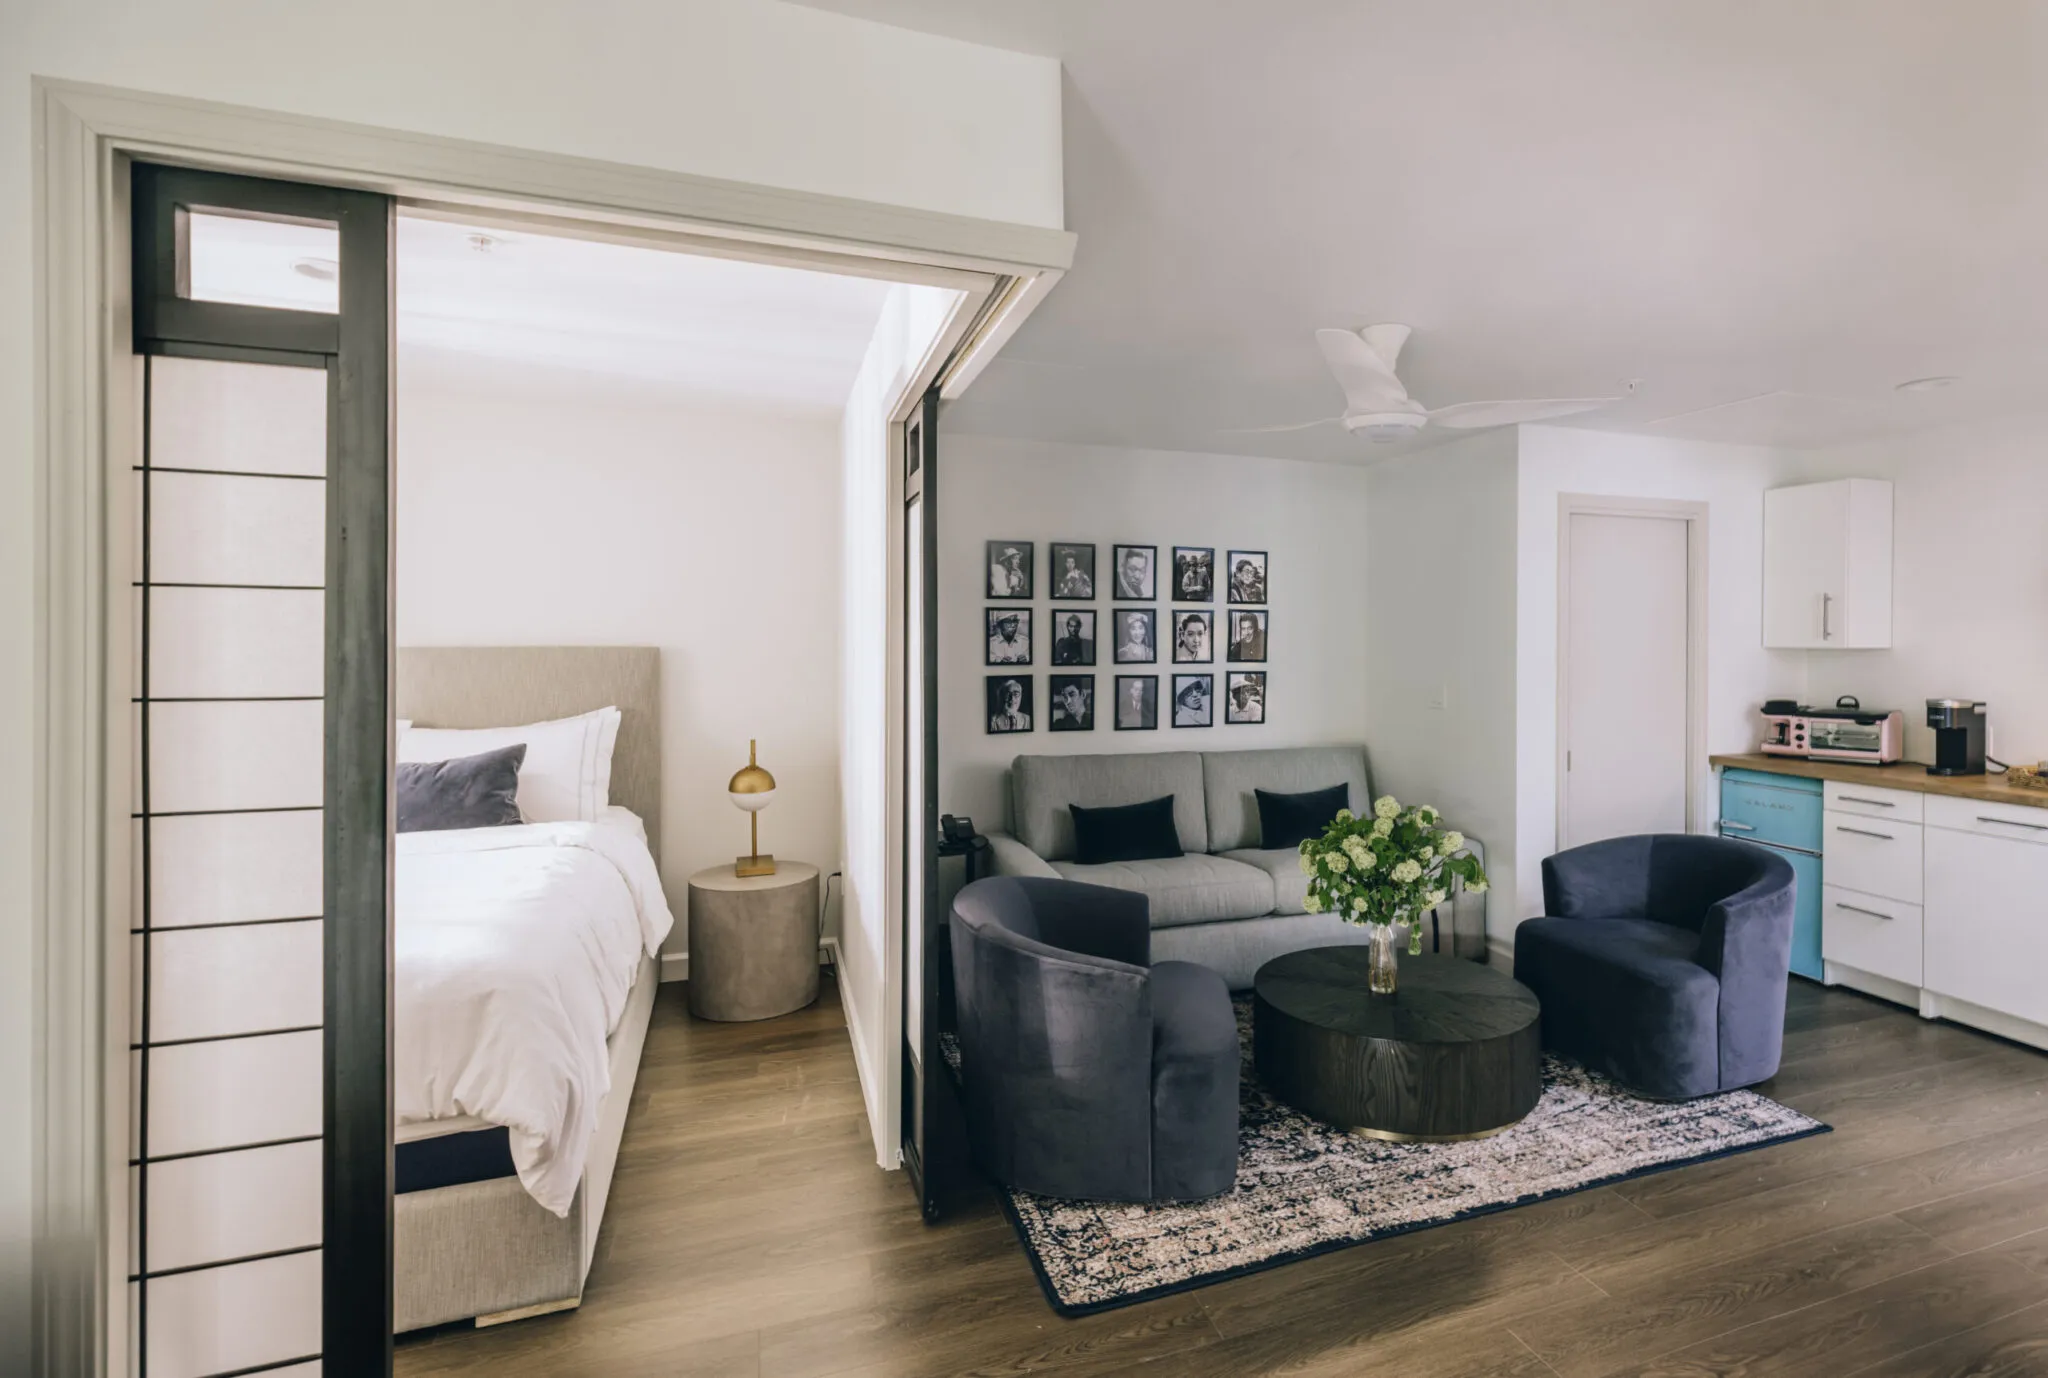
751	787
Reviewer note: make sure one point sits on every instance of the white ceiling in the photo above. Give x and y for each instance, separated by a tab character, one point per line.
1769	211
717	329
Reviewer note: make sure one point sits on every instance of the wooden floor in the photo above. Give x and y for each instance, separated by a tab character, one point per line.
750	1235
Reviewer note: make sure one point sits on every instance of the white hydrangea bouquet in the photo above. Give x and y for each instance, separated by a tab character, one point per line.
1388	869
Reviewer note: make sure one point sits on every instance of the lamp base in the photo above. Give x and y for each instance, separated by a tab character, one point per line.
763	865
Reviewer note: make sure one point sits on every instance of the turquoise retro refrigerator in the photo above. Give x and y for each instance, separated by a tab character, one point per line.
1783	813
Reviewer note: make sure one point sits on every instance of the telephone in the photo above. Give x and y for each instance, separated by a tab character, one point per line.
956	830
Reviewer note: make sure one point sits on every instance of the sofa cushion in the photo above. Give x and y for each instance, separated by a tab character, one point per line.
1043	788
1288	820
1185	889
1283	864
1230	777
1127	832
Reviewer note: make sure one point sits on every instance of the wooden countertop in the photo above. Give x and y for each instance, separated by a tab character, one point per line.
1898	775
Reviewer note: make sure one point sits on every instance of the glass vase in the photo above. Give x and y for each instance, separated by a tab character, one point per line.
1383	965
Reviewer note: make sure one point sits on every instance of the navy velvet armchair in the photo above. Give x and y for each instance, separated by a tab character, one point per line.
1661	961
1086	1071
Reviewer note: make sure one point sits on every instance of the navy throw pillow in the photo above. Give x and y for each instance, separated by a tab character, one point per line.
1287	820
479	791
1129	832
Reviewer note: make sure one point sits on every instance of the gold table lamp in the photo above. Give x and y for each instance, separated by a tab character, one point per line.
752	788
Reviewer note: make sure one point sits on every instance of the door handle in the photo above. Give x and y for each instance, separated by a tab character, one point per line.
1866	832
1859	909
1875	803
1826	602
1739	827
2030	827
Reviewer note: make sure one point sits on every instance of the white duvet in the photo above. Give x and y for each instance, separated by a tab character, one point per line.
516	949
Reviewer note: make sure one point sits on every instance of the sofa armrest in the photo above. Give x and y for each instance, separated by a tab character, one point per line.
1013	858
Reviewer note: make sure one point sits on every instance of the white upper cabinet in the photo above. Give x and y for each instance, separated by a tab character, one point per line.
1828	565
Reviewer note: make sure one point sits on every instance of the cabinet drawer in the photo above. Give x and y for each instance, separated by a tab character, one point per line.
2013	822
1876	935
1873	855
1899	805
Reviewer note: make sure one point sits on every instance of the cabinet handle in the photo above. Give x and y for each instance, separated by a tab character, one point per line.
1826	602
1865	832
1739	827
1859	799
1859	909
2030	827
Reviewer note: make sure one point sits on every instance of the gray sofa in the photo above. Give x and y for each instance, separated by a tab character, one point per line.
1230	904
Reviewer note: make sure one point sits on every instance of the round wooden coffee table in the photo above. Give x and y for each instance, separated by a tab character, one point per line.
1455	1053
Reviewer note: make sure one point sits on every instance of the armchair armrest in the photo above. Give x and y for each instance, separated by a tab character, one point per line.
1013	858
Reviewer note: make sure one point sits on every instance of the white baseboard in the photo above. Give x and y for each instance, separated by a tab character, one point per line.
675	966
871	1089
1500	952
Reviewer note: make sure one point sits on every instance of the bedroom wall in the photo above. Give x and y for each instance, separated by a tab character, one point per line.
1310	518
540	506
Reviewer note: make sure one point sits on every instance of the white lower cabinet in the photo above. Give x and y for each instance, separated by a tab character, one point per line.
1986	889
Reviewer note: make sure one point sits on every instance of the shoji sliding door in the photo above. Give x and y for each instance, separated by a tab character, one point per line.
259	1166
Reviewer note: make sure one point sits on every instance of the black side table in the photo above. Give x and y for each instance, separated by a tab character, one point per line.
974	849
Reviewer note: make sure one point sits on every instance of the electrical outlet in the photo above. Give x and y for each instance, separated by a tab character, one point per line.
1440	696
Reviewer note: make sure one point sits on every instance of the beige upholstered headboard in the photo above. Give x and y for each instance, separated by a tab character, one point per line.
503	686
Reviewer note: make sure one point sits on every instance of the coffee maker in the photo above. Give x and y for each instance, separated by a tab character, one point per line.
1958	736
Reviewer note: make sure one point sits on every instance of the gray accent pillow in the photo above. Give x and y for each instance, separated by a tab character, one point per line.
480	791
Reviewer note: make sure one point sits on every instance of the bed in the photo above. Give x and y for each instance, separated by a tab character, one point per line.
472	1240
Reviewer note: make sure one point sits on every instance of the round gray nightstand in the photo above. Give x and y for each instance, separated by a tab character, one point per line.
753	942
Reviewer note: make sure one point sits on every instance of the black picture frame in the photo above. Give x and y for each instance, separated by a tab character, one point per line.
1076	648
992	618
1235	649
1062	693
1149	584
1015	558
1183	653
1186	714
1235	585
996	712
1194	574
1147	707
1063	585
1248	686
1119	621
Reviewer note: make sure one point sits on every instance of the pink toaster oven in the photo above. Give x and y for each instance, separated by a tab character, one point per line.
1842	733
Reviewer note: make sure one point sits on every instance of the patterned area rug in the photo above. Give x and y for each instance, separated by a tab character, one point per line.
1305	1188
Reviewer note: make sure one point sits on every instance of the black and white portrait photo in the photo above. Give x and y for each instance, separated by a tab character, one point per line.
1009	636
1247	639
1073	570
1194	700
1009	703
1137	573
1073	703
1194	636
1194	574
1137	635
1244	696
1009	569
1073	636
1247	575
1137	703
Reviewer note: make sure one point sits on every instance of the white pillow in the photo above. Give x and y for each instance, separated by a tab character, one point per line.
566	776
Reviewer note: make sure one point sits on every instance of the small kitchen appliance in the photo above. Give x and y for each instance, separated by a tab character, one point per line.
1842	733
1958	736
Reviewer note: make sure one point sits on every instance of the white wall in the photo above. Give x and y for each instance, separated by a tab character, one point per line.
1731	480
744	89
1440	641
540	506
1969	581
1310	518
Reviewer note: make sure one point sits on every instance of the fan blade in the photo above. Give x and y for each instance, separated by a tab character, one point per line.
1367	379
1270	430
1470	416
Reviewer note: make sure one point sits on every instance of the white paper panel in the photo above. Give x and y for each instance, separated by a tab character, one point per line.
225	1095
233	1205
261	418
228	529
223	1319
235	756
230	868
206	982
236	643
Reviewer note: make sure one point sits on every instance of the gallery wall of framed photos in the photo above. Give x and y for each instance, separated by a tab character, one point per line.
1164	635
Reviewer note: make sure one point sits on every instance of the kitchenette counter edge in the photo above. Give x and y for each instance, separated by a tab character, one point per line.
1908	775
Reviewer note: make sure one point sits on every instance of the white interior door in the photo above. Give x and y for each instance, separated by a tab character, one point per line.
1626	640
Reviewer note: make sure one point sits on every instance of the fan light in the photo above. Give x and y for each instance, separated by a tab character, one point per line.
1385	426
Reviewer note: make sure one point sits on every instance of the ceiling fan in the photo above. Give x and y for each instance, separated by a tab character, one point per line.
1377	406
